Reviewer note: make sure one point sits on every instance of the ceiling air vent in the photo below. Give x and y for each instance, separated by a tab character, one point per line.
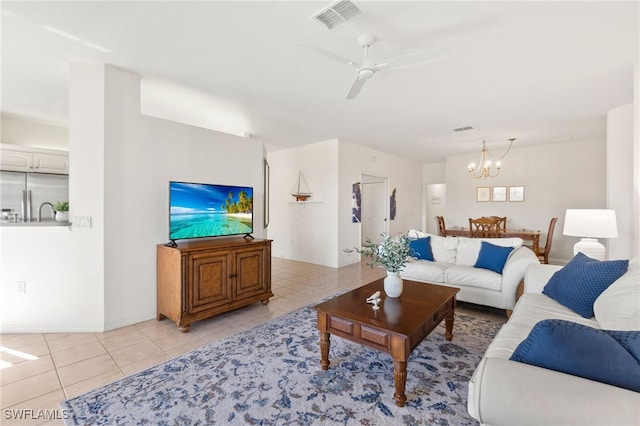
338	13
462	129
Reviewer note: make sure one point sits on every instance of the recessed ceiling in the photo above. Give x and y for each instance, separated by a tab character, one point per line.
535	71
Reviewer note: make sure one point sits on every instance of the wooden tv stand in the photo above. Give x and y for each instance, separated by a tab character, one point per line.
202	278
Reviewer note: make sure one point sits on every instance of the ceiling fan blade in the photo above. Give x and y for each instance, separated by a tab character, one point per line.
329	54
355	88
381	66
416	58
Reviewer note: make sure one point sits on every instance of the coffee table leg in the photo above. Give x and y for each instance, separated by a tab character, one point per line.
448	322
324	350
400	380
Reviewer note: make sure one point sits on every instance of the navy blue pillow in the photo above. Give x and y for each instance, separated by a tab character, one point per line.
606	356
421	248
492	257
579	283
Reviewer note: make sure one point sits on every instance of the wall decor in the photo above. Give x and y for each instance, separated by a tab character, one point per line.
516	193
483	194
356	196
392	205
499	193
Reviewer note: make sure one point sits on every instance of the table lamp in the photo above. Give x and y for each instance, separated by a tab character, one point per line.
590	224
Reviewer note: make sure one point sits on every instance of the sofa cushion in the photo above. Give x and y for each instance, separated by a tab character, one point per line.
579	283
493	257
443	248
469	248
618	307
421	248
472	277
423	270
611	357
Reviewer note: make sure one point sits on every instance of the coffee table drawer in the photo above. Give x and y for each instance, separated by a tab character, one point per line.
358	332
341	325
377	337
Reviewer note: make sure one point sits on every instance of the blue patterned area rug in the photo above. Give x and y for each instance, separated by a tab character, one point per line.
271	375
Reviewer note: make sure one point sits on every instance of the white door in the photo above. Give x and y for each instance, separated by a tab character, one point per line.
374	211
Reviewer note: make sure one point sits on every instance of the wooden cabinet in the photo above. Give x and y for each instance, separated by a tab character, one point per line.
199	279
28	160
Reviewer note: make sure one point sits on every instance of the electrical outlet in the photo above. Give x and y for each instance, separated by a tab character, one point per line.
21	287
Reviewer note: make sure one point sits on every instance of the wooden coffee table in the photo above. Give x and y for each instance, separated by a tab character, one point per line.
397	328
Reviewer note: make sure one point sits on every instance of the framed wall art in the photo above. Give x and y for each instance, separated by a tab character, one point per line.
483	194
516	193
499	193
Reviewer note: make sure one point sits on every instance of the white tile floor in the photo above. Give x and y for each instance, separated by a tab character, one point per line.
37	371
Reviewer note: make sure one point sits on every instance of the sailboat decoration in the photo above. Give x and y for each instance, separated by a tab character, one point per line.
300	188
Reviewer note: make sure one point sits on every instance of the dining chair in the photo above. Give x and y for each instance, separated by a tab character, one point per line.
502	222
484	227
543	252
441	228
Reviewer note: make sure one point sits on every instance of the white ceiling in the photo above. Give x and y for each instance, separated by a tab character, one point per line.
536	71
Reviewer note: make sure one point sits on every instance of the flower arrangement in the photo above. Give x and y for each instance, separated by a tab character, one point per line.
392	252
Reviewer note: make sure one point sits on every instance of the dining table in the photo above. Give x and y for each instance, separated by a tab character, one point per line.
525	234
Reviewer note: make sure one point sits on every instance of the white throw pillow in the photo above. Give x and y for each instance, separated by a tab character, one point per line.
514	242
414	233
618	307
444	248
468	250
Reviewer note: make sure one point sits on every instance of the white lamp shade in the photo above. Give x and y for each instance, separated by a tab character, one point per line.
592	223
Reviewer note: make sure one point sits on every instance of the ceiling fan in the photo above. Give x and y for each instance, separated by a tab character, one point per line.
367	67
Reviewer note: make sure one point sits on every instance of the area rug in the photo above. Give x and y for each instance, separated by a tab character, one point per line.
271	375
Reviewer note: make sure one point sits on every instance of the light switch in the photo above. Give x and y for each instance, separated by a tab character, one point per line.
82	222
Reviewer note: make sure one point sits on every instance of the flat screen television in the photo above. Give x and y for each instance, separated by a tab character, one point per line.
200	210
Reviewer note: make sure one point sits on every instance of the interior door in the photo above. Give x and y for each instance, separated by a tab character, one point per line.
374	208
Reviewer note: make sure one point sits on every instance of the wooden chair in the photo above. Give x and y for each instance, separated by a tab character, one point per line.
441	228
502	222
484	227
543	252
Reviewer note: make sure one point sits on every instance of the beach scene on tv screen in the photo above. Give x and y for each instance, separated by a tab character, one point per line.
201	210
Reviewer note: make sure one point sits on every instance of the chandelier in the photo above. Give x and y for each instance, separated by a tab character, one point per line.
484	168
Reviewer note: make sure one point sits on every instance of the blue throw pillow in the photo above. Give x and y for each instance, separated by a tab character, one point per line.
579	283
421	248
606	356
492	257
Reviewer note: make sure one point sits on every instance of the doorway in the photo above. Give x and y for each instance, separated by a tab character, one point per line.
374	208
435	204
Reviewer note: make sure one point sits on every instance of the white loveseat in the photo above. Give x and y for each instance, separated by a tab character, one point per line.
454	258
505	392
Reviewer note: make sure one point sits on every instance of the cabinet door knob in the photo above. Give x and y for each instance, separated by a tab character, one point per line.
233	275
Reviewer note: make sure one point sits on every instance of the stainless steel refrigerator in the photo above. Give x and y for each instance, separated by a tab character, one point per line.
22	195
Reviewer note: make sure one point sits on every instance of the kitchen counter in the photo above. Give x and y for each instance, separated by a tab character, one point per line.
30	224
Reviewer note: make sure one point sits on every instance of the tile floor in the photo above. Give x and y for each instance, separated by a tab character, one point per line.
37	371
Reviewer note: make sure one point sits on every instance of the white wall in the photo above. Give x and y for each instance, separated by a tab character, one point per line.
104	277
403	175
18	130
305	231
619	177
555	176
318	232
435	202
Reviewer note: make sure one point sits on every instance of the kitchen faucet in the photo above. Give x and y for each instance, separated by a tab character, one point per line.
46	203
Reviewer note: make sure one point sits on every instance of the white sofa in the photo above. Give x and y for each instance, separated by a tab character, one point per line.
505	392
454	258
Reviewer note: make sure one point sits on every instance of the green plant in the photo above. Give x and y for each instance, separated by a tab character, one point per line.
392	252
61	206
